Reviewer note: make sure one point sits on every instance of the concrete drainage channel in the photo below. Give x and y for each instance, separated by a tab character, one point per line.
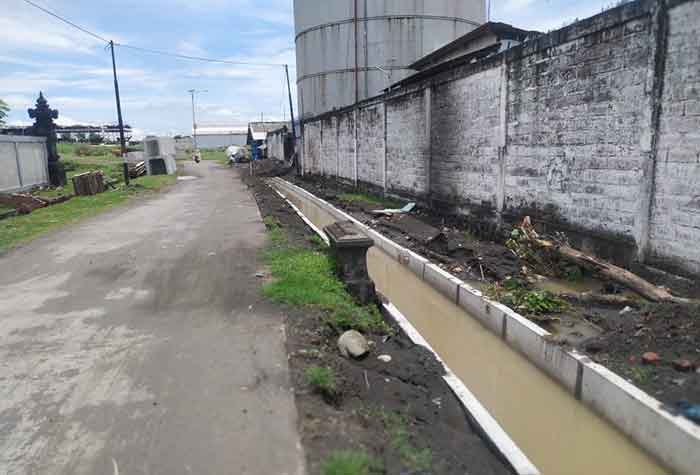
578	418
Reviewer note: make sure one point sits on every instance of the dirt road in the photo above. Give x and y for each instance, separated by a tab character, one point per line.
137	343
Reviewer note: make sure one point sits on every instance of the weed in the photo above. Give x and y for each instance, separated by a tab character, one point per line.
517	294
351	462
369	199
640	375
573	274
317	241
419	460
322	380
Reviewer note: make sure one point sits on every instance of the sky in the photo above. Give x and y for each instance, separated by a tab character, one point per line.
38	52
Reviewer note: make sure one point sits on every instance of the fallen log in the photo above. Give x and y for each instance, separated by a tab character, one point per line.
622	276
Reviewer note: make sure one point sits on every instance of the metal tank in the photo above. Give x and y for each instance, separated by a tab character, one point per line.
349	50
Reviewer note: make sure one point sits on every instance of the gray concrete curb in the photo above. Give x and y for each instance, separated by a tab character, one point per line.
672	439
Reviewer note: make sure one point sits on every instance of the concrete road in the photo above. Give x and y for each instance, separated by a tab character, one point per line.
137	343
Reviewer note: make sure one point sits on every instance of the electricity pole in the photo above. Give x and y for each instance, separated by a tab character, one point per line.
291	106
194	120
122	141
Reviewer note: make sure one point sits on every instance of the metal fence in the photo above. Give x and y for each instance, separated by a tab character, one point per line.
23	163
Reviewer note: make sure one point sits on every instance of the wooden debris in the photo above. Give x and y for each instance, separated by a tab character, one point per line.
89	183
622	276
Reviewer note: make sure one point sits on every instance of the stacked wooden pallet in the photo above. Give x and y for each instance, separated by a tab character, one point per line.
137	169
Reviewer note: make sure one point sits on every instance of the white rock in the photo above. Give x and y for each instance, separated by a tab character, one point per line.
384	358
352	343
625	310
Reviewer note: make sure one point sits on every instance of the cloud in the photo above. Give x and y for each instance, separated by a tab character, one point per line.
190	48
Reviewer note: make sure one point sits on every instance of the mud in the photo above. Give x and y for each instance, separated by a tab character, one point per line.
410	385
476	253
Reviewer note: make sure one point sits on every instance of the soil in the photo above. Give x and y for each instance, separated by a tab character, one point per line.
369	390
476	253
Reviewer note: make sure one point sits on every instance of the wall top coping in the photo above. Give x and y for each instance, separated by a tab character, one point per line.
21	139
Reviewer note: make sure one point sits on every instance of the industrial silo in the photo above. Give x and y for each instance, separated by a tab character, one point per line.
349	50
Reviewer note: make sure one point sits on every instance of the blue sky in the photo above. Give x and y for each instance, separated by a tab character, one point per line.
37	52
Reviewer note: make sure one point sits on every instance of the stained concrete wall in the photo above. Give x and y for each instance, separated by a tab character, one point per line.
675	217
23	163
591	130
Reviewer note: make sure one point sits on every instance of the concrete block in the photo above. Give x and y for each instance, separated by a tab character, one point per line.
480	308
672	439
442	281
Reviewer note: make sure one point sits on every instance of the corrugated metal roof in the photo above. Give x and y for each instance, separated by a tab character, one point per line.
222	131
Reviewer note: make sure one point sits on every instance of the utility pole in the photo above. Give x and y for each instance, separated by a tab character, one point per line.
194	120
122	141
295	161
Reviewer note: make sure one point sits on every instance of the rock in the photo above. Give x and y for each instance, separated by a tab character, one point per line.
683	365
353	344
651	358
384	358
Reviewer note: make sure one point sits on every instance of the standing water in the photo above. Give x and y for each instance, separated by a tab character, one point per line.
560	435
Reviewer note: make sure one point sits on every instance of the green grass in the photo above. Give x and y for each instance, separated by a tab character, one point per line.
26	227
355	198
351	462
418	460
322	380
217	155
306	278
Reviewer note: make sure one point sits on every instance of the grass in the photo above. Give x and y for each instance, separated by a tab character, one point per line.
322	380
354	198
216	155
419	460
351	462
306	278
26	227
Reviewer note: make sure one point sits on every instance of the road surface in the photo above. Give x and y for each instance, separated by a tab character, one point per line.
137	343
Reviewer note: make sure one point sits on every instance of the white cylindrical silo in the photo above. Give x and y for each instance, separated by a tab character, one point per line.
350	50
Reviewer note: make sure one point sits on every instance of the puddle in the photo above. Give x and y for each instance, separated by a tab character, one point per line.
559	434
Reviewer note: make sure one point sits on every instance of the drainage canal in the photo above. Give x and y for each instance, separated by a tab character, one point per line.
560	435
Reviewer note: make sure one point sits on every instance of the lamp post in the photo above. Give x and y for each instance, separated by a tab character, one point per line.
194	120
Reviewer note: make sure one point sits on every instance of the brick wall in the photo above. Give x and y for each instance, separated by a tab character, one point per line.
346	146
465	165
408	144
575	115
370	144
311	145
675	218
329	147
592	130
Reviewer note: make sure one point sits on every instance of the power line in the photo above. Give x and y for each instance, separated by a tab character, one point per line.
197	58
64	20
148	50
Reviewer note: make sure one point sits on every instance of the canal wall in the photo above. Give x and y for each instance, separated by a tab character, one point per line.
591	130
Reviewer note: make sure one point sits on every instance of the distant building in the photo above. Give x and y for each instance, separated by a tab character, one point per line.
257	135
220	137
77	132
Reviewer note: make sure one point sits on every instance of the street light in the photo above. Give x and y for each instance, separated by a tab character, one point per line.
194	121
